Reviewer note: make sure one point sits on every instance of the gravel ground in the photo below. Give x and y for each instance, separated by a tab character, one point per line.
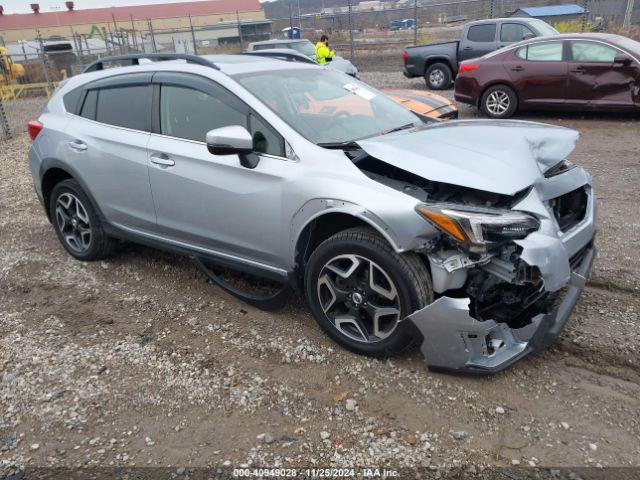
137	361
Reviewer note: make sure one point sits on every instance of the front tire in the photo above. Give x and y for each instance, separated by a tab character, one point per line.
438	76
77	223
359	289
499	101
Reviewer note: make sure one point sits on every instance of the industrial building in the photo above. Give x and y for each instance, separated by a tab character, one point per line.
214	21
553	13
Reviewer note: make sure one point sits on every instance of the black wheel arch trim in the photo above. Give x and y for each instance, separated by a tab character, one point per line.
438	59
48	164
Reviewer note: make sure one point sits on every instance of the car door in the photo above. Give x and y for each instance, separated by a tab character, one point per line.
108	148
480	40
539	72
595	80
511	32
208	201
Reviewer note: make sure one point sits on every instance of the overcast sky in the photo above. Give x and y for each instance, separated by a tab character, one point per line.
21	6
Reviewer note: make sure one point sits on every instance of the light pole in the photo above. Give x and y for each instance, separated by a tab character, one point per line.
352	48
415	22
627	15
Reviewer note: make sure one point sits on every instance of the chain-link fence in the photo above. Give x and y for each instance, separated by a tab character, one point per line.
369	33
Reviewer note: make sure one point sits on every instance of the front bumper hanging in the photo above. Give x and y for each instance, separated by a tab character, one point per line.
455	341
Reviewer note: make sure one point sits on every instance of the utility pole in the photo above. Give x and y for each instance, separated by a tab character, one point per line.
240	31
133	29
626	24
45	63
352	47
415	22
193	37
584	16
290	21
153	37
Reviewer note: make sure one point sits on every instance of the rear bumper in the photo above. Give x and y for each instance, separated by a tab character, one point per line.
466	90
407	73
452	340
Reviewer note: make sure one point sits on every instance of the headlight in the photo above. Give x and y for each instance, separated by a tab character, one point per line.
478	228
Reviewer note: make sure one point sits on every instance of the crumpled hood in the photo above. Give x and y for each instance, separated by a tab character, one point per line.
491	155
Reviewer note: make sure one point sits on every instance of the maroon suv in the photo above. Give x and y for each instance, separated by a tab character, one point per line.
579	71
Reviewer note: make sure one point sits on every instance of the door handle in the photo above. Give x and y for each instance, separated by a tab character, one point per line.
467	48
77	145
162	159
578	70
518	68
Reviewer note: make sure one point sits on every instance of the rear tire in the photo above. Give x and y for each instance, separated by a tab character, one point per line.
499	101
77	224
370	302
438	76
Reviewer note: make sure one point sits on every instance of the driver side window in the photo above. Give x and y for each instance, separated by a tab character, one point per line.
189	113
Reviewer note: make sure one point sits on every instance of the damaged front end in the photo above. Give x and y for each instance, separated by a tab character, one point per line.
507	265
503	323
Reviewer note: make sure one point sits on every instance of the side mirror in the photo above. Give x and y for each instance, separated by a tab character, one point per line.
528	36
622	59
233	140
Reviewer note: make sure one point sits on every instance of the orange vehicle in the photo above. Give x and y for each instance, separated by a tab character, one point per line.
424	103
421	102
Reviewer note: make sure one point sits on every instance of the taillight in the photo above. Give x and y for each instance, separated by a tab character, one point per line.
468	67
404	56
34	128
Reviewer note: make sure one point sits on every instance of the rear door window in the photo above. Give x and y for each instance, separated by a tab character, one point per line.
514	32
541	52
126	106
89	105
71	99
482	33
594	52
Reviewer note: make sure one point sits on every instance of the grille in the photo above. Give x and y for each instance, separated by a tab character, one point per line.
570	208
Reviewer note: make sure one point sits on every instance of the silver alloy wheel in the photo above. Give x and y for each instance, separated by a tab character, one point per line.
359	298
498	102
436	77
73	222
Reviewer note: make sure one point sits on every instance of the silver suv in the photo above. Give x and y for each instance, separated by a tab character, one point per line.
472	239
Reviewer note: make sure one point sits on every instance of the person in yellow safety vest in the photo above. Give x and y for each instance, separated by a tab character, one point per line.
323	53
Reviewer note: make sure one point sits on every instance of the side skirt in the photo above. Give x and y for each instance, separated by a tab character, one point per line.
201	259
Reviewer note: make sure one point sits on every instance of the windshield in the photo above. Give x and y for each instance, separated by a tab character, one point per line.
543	27
305	48
326	106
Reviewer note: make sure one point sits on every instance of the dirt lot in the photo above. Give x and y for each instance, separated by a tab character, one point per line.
137	361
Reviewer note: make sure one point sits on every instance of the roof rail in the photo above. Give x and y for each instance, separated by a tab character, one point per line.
280	54
134	59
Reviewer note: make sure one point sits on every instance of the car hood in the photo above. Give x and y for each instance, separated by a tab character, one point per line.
503	157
